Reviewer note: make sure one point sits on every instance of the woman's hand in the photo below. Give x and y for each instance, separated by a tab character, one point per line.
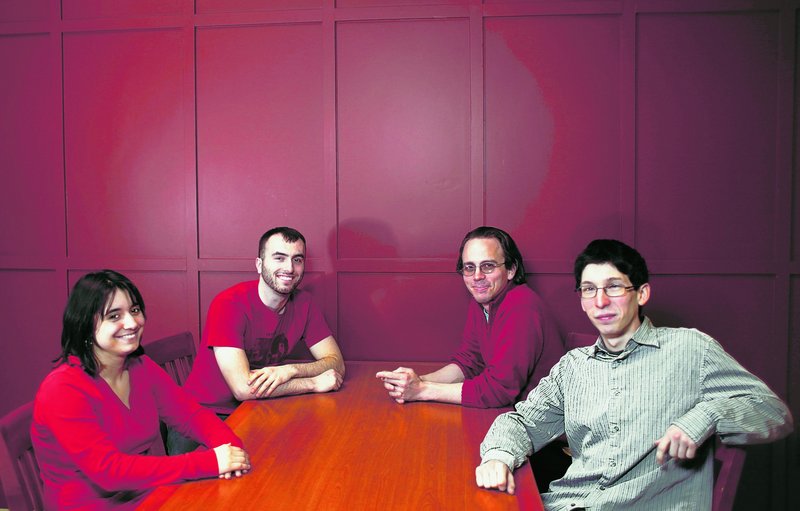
231	460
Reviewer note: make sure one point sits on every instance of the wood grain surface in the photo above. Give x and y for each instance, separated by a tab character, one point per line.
355	449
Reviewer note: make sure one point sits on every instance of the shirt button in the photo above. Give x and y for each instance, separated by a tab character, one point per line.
613	464
615	429
602	487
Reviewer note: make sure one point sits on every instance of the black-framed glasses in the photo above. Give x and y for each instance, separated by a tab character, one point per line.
486	267
611	290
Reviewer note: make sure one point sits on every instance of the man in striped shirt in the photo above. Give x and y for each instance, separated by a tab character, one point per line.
637	407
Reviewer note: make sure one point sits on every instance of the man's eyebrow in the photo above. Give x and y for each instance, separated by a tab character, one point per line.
484	261
611	279
279	254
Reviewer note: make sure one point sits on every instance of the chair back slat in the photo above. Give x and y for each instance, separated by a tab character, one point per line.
174	353
19	471
728	465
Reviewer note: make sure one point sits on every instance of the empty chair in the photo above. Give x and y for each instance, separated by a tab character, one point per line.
728	465
174	353
19	470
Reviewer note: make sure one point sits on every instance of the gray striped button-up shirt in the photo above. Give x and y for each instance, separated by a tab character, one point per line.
614	408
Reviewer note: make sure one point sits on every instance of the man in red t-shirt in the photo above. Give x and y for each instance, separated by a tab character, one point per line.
252	326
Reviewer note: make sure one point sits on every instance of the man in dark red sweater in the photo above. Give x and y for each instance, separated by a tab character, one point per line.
509	343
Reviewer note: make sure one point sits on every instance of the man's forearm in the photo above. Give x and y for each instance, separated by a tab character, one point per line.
441	392
292	387
311	369
450	373
507	441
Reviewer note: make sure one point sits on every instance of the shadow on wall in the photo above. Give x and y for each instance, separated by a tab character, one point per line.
372	239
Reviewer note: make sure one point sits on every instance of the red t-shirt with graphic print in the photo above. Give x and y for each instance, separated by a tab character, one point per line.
237	318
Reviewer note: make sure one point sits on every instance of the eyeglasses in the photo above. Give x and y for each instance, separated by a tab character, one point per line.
611	290
486	267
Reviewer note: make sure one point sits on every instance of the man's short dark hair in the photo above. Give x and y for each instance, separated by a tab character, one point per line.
624	258
289	236
510	251
86	305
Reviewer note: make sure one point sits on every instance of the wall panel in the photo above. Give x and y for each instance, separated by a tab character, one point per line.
414	317
553	131
31	307
77	9
124	136
403	96
259	128
24	10
795	200
32	195
210	6
706	89
386	3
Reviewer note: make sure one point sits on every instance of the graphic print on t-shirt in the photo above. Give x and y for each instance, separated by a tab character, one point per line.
267	351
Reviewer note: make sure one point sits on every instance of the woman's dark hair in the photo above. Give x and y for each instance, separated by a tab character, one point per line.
624	258
510	250
87	302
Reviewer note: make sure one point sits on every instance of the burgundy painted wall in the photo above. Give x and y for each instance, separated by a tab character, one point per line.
161	138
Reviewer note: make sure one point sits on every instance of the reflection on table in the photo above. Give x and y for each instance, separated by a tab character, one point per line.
355	449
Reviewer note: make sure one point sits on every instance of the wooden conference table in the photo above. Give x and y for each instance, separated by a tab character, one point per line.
355	449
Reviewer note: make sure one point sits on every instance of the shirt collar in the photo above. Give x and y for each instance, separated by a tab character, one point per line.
643	336
495	303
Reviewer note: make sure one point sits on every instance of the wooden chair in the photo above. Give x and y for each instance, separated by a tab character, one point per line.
19	470
728	465
174	353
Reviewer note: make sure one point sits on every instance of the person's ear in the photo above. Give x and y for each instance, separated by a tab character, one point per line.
512	272
643	294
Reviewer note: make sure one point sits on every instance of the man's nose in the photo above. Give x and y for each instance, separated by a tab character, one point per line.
479	275
600	299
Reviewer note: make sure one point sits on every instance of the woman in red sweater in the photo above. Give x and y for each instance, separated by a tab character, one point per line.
95	417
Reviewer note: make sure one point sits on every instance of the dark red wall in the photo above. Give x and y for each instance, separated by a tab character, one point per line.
161	138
